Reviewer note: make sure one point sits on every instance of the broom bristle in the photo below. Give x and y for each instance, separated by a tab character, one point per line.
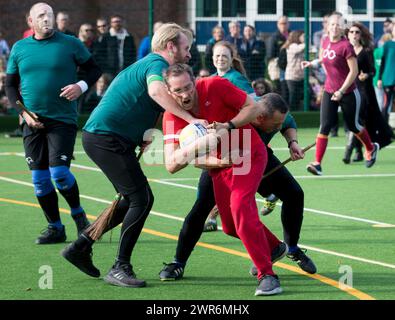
96	229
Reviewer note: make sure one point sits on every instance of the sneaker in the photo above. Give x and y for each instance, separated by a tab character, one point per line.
303	261
210	225
171	271
123	275
278	253
314	169
81	222
82	259
269	204
268	285
52	235
372	156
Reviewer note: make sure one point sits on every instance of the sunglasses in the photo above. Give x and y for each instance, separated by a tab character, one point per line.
102	26
355	31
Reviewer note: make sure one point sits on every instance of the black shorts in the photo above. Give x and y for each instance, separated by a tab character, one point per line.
49	147
117	159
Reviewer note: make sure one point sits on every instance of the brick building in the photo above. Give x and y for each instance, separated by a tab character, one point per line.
135	13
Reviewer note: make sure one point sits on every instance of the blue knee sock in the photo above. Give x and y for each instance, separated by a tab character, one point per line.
292	249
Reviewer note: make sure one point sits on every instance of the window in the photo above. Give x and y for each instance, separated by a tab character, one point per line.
206	8
358	6
384	8
266	6
233	8
294	8
319	8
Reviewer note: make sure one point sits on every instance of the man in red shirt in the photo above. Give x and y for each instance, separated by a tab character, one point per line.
226	107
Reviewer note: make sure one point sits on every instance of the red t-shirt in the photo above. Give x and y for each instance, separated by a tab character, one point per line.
220	101
334	59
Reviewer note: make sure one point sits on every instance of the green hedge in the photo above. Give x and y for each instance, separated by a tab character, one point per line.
309	119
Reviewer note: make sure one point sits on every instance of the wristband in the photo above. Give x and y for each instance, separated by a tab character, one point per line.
289	142
231	125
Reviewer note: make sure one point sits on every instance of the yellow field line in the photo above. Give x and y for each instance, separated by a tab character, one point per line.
351	291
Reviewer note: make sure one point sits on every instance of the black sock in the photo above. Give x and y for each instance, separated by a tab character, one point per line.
72	195
49	204
84	242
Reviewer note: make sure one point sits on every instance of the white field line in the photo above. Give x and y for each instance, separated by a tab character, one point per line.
334	253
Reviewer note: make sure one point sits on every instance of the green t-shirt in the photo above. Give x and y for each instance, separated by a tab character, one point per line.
388	76
126	108
45	66
377	54
238	80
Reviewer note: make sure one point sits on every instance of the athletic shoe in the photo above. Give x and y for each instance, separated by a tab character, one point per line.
210	225
268	285
52	235
123	275
269	204
81	222
314	169
372	156
171	271
82	259
303	261
278	253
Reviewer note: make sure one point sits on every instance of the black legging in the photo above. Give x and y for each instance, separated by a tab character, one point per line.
118	161
281	183
350	104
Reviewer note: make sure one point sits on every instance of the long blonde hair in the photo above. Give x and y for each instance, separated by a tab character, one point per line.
166	33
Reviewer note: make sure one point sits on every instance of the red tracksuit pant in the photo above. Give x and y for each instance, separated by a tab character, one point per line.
235	198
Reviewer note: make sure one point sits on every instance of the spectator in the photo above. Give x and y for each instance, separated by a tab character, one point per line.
86	35
95	94
276	41
234	35
203	73
29	32
4	49
62	23
294	74
218	34
378	54
320	34
104	49
261	86
125	43
387	75
387	28
145	44
195	62
253	52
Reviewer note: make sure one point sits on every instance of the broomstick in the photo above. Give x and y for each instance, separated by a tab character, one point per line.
282	164
96	229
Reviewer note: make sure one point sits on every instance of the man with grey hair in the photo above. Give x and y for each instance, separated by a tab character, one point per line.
131	106
62	22
234	35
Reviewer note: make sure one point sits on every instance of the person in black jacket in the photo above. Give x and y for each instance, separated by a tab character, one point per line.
126	48
378	128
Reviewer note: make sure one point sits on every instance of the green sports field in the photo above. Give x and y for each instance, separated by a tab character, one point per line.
348	230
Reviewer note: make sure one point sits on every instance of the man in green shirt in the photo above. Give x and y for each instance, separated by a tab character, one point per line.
44	67
130	108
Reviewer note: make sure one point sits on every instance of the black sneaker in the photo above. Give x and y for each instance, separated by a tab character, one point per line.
303	261
82	259
268	285
171	271
123	275
278	253
314	169
373	155
52	235
81	222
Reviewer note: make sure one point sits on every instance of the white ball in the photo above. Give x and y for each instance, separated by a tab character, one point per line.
190	133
